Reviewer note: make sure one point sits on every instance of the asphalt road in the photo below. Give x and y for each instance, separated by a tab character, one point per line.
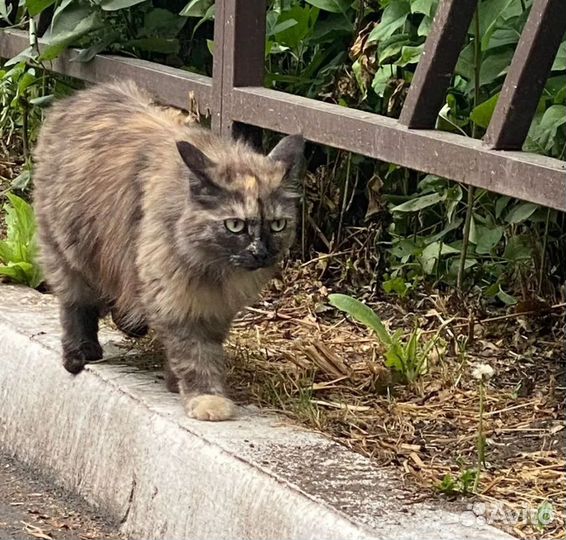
31	507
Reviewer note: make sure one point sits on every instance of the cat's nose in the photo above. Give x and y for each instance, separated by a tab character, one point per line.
257	249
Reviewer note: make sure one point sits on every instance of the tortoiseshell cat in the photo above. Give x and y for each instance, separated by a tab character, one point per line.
164	225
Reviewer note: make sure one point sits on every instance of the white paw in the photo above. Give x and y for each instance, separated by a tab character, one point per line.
210	407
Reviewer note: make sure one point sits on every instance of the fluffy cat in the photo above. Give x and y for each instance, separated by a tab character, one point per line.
164	225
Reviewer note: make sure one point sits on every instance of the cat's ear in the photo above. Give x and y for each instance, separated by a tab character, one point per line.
289	152
200	165
195	159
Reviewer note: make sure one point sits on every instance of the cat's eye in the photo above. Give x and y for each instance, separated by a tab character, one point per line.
235	225
277	225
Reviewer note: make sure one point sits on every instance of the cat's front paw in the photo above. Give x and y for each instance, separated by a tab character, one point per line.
211	407
75	357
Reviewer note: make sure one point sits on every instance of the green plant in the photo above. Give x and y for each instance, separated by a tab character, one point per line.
408	357
361	55
460	485
17	251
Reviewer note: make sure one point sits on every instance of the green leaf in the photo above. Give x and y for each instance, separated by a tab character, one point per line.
487	238
333	6
410	55
86	55
392	19
281	27
453	197
481	115
42	101
162	23
382	77
21	181
506	298
426	7
518	249
520	213
432	253
17	251
390	48
361	313
293	36
6	252
5	11
114	5
560	60
501	204
419	203
492	13
424	28
330	28
546	130
17	272
196	8
58	42
35	7
396	285
27	54
495	66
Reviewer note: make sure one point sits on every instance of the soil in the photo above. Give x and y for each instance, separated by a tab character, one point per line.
32	507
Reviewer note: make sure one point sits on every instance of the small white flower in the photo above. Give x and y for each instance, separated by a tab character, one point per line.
483	372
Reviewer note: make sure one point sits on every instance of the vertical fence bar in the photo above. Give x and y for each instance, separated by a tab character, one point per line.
527	75
438	61
239	50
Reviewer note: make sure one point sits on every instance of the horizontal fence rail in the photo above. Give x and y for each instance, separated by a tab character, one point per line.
236	99
170	85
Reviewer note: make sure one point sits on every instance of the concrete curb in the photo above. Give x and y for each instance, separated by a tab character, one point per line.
114	435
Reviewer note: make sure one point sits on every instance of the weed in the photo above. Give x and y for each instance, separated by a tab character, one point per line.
408	357
17	251
463	484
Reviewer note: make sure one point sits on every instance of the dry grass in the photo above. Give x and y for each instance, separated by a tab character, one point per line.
292	355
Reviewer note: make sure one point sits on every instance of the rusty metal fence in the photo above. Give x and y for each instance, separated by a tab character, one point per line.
235	98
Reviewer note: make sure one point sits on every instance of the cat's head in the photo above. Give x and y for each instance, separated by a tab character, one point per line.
242	211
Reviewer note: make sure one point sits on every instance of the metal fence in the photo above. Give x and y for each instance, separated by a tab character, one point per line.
236	98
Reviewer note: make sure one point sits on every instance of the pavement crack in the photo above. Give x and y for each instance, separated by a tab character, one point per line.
130	501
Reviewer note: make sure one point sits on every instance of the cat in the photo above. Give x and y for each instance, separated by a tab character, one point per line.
164	225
